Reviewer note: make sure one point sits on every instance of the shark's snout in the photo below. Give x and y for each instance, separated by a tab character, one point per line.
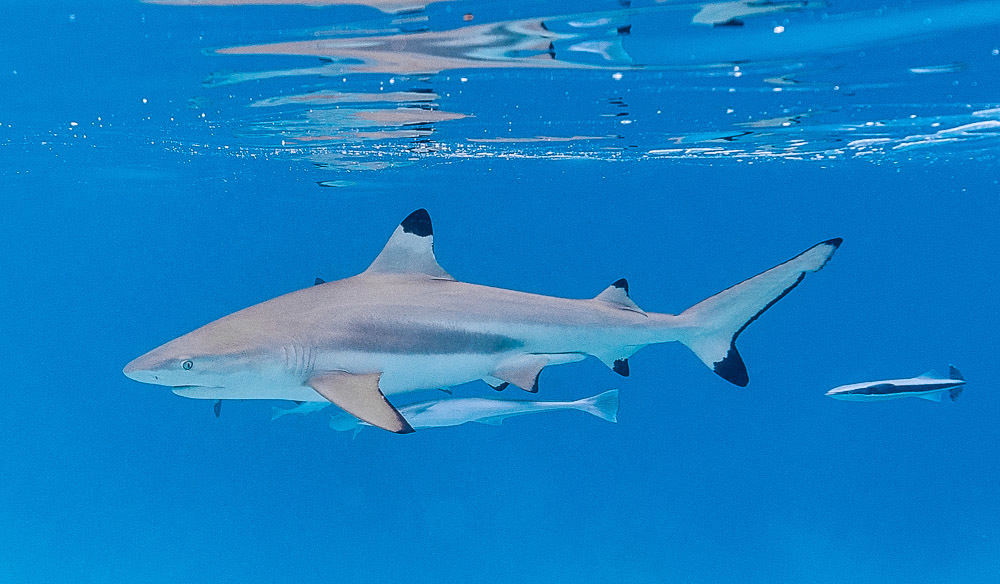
141	369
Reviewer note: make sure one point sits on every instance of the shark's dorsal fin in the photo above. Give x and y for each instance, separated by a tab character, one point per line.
410	250
617	295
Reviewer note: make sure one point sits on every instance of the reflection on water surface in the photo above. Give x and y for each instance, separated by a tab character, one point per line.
614	81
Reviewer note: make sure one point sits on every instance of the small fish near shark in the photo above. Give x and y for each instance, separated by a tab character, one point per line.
441	413
405	324
930	386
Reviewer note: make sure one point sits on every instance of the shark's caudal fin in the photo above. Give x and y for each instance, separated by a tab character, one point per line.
603	405
714	324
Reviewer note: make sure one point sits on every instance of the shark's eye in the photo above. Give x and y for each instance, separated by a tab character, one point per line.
187	364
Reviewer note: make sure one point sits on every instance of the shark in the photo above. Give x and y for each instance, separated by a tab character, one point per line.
405	324
930	386
440	413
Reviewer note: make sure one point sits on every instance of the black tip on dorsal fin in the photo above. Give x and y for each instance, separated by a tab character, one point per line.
620	367
319	281
623	284
418	223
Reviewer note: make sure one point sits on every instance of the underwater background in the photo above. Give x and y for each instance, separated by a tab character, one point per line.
165	164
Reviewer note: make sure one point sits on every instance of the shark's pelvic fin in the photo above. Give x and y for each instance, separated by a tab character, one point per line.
522	371
714	324
360	396
936	396
617	295
410	250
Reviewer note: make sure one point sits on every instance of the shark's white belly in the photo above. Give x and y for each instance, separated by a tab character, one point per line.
401	373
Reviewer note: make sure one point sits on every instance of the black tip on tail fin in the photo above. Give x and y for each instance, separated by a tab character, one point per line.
954	373
732	368
418	223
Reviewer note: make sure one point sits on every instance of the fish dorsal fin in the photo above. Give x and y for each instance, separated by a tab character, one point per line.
617	295
410	250
319	281
932	374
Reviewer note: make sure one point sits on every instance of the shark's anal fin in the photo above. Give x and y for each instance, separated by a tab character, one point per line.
360	396
410	250
617	359
522	371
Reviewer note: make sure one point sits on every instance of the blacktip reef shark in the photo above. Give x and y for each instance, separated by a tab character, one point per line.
405	324
441	413
929	386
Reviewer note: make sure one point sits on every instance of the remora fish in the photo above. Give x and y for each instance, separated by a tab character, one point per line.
301	409
405	324
929	386
440	413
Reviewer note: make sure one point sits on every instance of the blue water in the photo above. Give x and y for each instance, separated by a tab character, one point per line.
153	179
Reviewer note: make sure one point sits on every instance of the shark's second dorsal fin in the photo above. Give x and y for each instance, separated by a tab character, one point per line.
410	250
617	294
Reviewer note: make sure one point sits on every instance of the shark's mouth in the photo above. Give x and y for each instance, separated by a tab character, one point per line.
198	391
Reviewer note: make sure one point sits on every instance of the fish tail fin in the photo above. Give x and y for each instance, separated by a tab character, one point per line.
603	405
711	327
954	373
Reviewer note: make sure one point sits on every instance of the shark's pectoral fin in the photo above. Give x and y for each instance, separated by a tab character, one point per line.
522	371
360	396
497	384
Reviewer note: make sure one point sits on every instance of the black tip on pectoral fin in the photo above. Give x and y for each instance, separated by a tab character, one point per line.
500	387
732	368
835	242
418	223
620	367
